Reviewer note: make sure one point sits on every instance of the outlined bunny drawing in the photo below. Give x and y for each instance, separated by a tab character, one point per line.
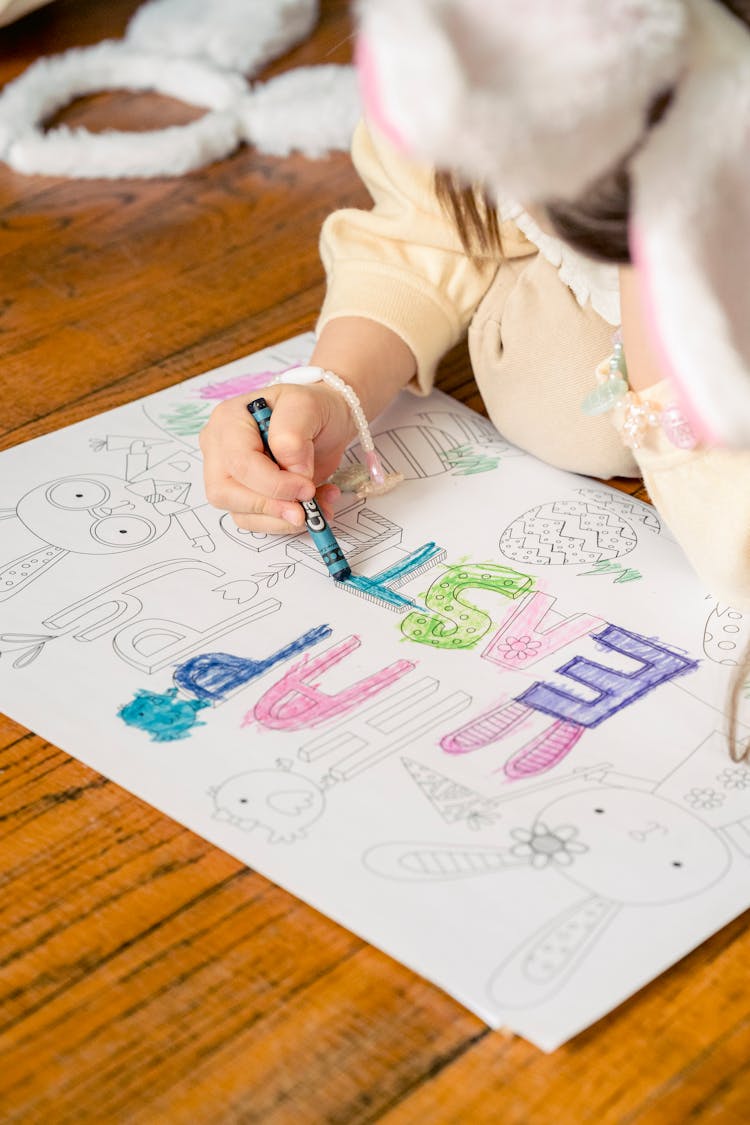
611	836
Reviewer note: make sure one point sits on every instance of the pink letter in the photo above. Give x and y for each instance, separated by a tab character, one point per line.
520	642
487	728
544	751
294	704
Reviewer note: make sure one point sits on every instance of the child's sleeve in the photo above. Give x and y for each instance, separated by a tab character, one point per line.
402	263
704	498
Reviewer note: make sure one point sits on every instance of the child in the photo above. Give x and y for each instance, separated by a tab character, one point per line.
509	109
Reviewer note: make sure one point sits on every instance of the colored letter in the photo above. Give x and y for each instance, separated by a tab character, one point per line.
382	586
214	675
486	729
544	751
455	623
294	704
615	689
520	642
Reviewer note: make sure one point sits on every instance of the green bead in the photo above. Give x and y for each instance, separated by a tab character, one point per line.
605	396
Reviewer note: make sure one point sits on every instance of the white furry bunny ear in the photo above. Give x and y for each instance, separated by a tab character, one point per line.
233	34
690	229
535	100
538	100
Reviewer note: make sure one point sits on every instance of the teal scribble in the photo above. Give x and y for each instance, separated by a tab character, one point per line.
187	419
623	575
370	587
382	585
465	461
163	715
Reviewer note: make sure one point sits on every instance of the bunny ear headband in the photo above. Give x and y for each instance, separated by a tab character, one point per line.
536	101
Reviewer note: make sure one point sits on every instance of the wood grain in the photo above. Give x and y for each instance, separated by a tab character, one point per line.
145	976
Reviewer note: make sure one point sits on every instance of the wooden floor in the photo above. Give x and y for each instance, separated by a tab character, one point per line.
145	976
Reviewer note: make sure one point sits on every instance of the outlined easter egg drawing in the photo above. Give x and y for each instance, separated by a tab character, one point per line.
413	451
567	533
726	634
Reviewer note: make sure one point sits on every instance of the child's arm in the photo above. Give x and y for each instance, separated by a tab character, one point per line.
310	428
402	262
401	291
368	356
703	494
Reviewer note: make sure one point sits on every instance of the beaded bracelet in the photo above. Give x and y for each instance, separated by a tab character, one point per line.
639	415
369	480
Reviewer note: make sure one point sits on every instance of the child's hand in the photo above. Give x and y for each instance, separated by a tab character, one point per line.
310	428
309	431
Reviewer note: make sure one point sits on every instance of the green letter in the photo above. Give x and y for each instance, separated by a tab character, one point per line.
455	623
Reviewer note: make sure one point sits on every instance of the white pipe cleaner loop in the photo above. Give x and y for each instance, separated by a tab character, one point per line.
233	34
311	109
177	48
52	83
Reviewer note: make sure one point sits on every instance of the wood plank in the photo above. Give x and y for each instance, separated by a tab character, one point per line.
146	976
648	1061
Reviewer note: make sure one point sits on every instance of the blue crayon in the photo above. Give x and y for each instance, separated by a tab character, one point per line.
320	532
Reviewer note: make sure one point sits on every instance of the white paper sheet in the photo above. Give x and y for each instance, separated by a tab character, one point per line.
518	786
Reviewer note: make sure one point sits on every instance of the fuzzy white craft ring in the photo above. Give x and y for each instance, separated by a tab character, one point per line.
312	110
52	83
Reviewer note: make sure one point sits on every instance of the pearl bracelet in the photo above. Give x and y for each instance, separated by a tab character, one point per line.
639	415
371	480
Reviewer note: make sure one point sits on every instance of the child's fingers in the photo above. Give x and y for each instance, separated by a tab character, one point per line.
256	510
257	472
224	492
326	496
264	524
287	518
294	425
232	446
240	476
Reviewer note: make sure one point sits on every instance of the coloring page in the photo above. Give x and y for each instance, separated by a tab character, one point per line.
497	752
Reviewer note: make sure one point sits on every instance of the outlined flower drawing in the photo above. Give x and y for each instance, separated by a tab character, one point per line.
704	798
734	777
519	648
544	847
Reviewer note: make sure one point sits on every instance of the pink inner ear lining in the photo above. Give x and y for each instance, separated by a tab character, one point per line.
700	428
370	89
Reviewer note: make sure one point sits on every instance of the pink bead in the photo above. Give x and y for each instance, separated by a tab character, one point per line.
376	469
676	428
